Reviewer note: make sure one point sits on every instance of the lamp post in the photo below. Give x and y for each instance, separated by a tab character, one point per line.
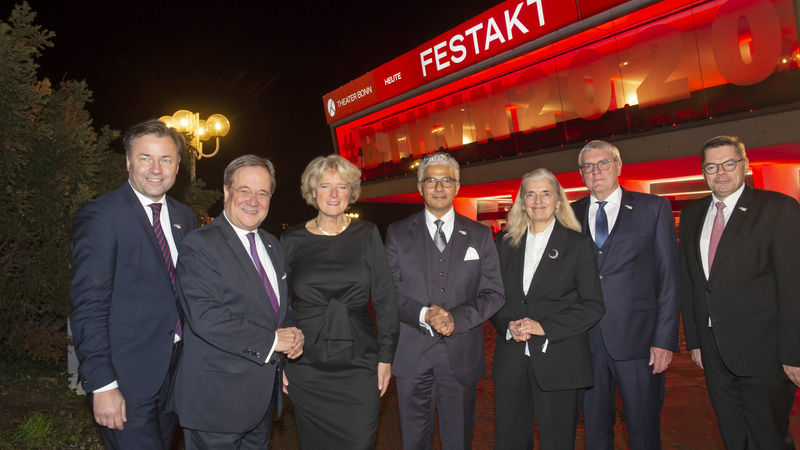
185	121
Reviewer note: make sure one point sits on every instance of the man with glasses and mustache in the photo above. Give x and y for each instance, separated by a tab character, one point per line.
740	264
637	254
448	280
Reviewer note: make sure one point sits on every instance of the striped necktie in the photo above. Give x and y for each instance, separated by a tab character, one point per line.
164	245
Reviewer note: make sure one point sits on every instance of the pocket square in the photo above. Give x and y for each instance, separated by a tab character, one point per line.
284	277
472	255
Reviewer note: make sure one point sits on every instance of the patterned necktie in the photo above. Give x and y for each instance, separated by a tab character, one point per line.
438	238
263	274
716	233
601	225
164	245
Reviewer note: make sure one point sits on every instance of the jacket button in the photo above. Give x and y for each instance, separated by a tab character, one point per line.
441	259
171	332
442	289
244	351
441	274
258	355
601	277
524	302
708	290
272	362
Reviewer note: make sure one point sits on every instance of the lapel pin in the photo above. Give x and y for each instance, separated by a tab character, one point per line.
552	255
629	206
742	208
269	245
177	225
462	232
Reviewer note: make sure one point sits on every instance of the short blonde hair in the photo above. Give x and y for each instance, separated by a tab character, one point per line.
332	163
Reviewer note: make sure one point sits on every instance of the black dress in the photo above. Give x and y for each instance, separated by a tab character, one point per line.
334	384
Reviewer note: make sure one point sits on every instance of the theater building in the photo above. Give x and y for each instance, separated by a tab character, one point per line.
527	83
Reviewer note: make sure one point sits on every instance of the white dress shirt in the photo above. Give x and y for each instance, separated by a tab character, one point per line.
612	210
535	245
449	224
266	263
166	227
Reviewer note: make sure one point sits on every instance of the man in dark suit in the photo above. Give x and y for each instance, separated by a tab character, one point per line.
448	280
233	291
637	254
741	299
124	319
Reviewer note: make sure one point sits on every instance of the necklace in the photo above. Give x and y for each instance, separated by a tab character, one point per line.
346	223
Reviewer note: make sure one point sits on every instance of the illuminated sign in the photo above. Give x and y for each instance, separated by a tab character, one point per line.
614	78
502	28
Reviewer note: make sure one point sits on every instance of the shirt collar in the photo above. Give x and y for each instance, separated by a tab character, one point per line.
730	201
448	218
615	198
546	233
242	233
146	202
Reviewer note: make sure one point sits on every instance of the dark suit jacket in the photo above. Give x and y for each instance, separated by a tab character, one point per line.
565	297
224	383
640	278
474	292
753	292
124	308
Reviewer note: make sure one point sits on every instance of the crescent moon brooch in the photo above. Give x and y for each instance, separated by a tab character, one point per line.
553	254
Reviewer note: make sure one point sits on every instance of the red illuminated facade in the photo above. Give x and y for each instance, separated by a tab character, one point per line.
528	82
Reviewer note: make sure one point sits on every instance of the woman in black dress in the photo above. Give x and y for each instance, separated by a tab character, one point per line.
334	265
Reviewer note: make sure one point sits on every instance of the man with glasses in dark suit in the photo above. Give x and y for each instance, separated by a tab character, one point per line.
740	261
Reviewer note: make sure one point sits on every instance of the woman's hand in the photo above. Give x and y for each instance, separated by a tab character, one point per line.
285	383
384	375
529	326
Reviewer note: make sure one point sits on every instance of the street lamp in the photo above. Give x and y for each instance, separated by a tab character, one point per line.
201	130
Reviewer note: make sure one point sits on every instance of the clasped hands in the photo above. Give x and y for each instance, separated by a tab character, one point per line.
522	329
440	320
290	342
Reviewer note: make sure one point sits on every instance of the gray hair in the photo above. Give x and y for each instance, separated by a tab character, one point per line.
438	159
723	141
599	145
250	161
315	170
153	127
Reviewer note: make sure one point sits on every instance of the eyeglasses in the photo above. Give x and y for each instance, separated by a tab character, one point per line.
431	183
728	166
602	165
247	194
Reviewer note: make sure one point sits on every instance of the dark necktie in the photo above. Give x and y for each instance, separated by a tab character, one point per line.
164	245
438	238
601	225
263	274
716	233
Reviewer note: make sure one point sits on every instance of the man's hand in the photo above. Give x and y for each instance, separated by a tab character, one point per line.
290	342
530	327
285	383
659	359
793	373
109	409
696	357
440	320
513	327
384	375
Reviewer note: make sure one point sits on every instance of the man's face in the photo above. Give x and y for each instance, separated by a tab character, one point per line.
247	199
153	165
438	199
724	183
601	183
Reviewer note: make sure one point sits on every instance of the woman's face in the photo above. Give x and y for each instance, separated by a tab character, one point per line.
540	201
332	194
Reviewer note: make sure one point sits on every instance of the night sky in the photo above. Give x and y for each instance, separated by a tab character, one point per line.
264	65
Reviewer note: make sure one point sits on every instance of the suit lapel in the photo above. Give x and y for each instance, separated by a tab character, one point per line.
244	259
518	263
458	249
179	228
277	265
694	230
726	242
140	216
554	250
419	234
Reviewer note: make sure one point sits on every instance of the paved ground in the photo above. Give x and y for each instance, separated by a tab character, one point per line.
687	420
